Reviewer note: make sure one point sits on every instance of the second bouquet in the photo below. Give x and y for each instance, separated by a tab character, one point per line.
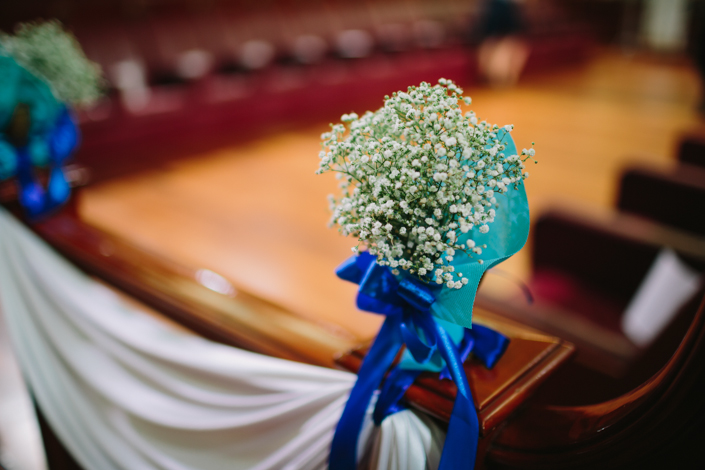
434	197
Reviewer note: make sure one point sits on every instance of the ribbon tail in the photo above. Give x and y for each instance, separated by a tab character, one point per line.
490	344
343	452
31	195
58	190
420	351
396	384
460	448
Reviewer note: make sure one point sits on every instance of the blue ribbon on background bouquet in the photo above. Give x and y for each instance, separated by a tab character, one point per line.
53	136
435	324
58	145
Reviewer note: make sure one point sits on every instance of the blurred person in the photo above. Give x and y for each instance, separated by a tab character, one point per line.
503	52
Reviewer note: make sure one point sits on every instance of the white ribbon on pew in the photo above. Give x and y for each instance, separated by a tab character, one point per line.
123	390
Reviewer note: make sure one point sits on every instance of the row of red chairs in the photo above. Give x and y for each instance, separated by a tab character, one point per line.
180	43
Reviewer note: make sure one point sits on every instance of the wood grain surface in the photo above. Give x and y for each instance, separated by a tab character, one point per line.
256	213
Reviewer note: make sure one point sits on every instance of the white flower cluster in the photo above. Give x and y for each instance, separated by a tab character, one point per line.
51	53
416	175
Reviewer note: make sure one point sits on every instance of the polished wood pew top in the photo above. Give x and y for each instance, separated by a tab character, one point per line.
259	220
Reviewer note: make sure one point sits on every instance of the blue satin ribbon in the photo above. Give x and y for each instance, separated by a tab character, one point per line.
406	303
59	142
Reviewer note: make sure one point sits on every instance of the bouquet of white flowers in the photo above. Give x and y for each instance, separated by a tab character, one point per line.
422	183
43	72
54	55
417	175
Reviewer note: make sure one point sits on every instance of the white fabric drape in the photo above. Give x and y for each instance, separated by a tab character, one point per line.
123	390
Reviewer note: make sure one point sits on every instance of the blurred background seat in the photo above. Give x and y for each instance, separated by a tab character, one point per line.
671	197
691	148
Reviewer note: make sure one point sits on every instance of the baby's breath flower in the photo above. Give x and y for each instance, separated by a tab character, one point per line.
51	53
416	175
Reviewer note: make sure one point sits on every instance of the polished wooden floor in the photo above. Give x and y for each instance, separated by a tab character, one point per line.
256	213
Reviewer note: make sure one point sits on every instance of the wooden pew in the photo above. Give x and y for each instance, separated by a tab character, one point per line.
585	271
529	372
514	433
232	316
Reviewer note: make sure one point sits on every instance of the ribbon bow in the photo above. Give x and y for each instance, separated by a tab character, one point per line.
51	149
46	138
406	304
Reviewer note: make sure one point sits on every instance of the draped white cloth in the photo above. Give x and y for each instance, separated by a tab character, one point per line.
123	390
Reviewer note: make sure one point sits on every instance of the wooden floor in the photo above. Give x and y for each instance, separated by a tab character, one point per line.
257	214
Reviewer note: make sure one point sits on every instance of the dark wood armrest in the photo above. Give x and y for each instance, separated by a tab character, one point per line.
654	422
673	197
